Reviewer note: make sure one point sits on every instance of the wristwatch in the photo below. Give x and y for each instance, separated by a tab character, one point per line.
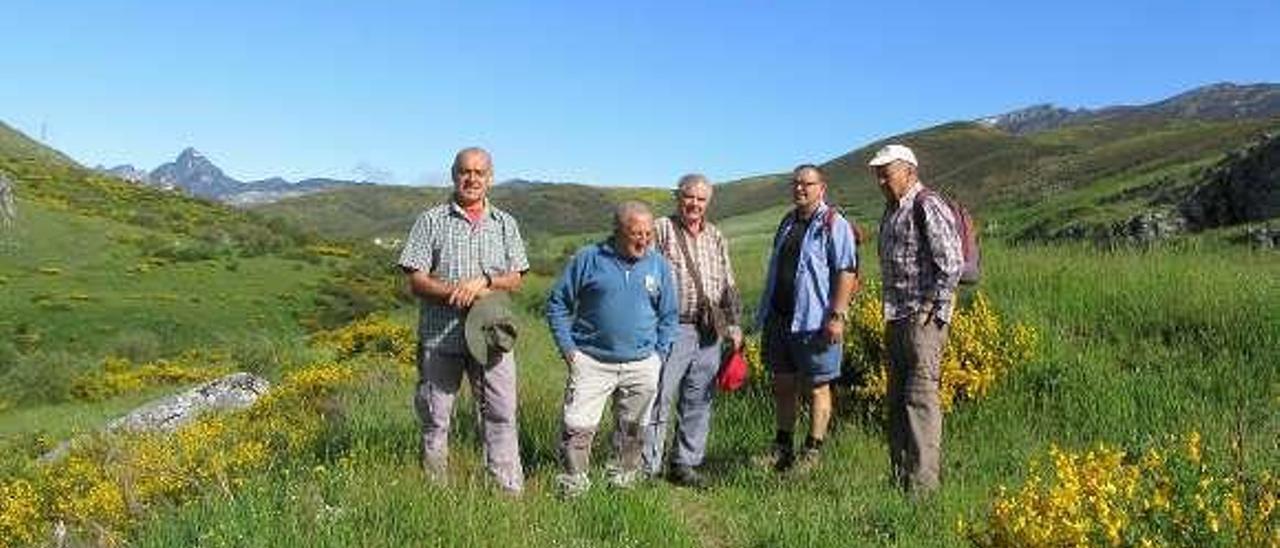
488	280
842	315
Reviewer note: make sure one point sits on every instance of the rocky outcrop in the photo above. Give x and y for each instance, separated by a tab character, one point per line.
1244	187
1148	227
232	392
229	393
1264	237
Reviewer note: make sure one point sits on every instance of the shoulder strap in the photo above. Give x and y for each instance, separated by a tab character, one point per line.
688	259
918	211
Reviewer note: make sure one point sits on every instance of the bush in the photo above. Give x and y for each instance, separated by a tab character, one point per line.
106	484
118	376
40	378
980	350
1177	494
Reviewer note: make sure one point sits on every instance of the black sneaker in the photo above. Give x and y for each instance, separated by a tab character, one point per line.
686	476
784	457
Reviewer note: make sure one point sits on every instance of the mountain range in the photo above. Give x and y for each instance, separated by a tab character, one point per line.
194	173
1222	101
1038	173
1043	172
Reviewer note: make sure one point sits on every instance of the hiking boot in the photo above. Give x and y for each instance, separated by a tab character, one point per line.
808	459
783	458
436	471
623	479
572	486
686	476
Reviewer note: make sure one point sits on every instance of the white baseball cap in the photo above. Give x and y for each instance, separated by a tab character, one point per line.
889	153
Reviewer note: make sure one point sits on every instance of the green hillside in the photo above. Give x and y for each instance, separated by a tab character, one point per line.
1095	173
543	209
93	267
1022	186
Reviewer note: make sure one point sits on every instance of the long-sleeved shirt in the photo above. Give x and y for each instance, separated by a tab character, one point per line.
613	308
711	253
920	266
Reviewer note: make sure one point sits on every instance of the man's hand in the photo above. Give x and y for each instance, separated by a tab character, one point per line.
467	291
923	318
569	357
835	330
735	337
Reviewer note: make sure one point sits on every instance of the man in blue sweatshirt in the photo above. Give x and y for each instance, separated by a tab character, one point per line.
613	314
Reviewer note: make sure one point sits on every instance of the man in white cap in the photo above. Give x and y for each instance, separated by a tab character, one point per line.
920	262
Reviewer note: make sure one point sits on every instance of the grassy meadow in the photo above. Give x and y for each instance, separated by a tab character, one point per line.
1136	346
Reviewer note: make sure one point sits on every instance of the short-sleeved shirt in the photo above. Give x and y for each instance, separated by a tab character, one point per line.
827	248
784	293
449	247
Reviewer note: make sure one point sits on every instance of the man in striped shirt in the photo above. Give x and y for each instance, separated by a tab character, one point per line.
458	252
699	256
920	260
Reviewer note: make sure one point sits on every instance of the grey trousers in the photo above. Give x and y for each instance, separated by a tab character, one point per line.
591	384
494	388
914	407
688	380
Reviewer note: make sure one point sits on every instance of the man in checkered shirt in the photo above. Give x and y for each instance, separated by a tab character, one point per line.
458	252
920	260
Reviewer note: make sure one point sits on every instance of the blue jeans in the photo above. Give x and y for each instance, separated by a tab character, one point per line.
688	380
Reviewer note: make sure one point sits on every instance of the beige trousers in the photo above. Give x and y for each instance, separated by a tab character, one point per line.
914	407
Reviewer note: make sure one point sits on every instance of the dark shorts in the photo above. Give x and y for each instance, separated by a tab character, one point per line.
808	354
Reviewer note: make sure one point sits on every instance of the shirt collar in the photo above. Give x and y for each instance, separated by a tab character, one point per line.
822	208
910	196
457	209
609	246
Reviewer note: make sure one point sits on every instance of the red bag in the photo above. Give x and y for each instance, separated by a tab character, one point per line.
733	372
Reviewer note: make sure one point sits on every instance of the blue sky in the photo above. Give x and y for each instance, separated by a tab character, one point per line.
597	92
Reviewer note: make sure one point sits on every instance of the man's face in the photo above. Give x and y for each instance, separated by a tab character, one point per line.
472	177
693	203
893	178
807	188
634	235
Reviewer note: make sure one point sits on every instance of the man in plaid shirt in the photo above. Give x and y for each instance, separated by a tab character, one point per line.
920	261
458	252
695	248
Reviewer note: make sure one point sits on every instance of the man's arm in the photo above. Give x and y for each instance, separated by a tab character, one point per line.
842	293
730	299
668	312
561	307
944	251
845	279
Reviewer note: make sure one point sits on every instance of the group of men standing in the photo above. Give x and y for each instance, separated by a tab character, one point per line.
640	319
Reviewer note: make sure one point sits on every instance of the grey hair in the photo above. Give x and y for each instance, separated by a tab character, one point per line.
457	158
629	209
687	182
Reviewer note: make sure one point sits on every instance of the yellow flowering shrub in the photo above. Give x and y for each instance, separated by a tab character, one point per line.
1105	496
105	484
19	512
751	353
329	250
981	348
119	376
373	335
